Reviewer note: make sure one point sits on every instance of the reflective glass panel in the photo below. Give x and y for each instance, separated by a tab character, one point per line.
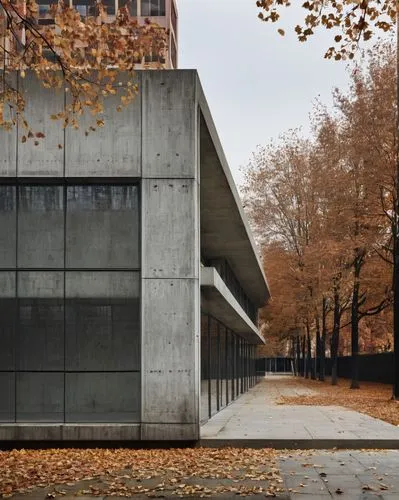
102	227
41	226
8	222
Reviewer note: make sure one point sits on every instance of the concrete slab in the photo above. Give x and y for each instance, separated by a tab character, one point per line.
255	420
341	474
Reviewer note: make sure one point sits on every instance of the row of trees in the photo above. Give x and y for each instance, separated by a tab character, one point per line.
325	211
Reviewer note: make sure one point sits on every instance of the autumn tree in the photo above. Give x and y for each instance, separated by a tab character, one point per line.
281	321
351	20
368	138
283	202
354	21
318	202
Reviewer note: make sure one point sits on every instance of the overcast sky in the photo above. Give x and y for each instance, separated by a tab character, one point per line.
258	84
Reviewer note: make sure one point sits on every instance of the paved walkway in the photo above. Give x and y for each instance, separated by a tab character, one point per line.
256	420
344	474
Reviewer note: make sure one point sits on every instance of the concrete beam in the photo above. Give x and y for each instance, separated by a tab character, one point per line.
218	301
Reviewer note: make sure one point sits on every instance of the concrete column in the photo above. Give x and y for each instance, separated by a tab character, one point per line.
170	258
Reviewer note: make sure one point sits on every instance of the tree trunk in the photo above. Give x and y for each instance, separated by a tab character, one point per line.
311	371
395	235
322	373
318	340
355	325
396	305
335	338
303	356
298	356
293	356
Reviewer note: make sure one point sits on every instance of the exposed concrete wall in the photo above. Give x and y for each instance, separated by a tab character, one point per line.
170	258
8	142
169	236
111	151
46	159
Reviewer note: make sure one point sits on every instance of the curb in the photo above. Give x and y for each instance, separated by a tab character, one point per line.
303	444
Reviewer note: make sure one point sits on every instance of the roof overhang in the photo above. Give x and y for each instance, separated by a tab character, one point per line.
225	231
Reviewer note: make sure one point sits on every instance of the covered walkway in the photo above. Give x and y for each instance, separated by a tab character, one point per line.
257	420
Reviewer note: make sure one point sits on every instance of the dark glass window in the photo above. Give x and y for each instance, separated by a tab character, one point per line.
102	397
45	15
214	364
223	367
102	321
40	321
153	8
86	7
40	226
84	321
7	320
102	227
154	58
40	397
8	220
7	399
226	365
205	381
109	7
131	6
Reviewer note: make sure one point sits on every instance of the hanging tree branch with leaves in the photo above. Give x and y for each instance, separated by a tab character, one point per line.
85	55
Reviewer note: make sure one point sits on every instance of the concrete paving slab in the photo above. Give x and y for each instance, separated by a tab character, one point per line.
257	420
335	470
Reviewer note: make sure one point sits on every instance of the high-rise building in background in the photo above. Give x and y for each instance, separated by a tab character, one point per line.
162	12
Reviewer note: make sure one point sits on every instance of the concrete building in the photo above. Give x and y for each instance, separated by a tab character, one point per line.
162	12
129	278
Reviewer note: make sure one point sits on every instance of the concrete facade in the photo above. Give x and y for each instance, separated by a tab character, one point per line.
101	247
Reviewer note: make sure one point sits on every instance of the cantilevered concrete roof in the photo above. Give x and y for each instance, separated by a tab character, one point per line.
217	300
225	231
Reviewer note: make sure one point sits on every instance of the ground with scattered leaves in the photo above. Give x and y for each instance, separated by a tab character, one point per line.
155	473
372	399
343	474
